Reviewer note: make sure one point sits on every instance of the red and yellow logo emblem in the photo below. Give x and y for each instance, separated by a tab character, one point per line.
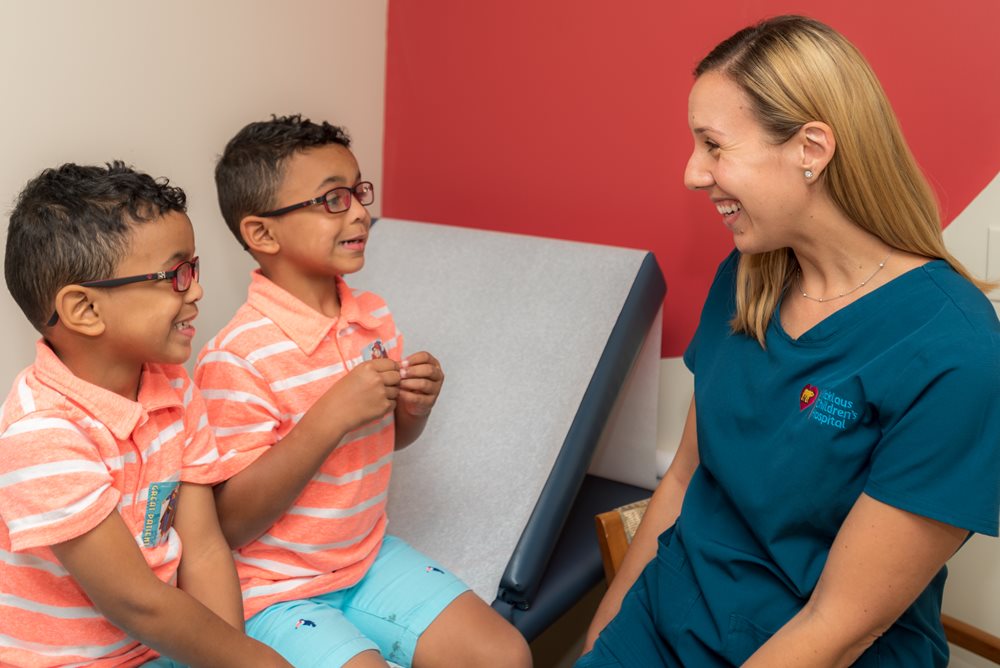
808	396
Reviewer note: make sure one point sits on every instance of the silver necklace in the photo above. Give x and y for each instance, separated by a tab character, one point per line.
843	294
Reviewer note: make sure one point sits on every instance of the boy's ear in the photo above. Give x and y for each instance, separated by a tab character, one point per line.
256	233
816	145
79	311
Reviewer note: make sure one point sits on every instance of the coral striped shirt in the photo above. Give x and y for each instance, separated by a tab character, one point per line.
70	454
259	375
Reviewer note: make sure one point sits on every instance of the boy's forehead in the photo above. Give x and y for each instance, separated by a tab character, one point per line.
161	239
314	167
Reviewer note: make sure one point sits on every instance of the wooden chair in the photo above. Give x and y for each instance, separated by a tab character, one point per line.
615	529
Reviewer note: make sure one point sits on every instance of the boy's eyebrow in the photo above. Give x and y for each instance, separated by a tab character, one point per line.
177	257
336	180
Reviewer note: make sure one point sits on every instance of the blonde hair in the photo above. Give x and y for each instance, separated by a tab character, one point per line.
795	70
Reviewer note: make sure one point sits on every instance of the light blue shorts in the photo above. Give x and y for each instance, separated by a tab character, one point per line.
399	597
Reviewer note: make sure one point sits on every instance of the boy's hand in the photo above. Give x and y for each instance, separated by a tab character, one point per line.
421	382
366	393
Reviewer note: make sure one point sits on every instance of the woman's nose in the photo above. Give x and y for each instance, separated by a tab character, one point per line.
696	174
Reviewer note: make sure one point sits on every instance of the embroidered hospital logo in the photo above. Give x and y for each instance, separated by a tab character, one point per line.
828	408
807	397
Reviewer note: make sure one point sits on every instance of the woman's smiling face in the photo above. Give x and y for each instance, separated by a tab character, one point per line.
754	183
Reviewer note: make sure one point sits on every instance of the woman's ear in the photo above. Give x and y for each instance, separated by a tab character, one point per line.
79	311
256	233
816	146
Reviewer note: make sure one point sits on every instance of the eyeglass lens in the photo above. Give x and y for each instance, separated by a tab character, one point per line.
186	272
339	199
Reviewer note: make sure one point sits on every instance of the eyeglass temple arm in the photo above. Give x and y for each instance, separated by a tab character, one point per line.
286	209
115	282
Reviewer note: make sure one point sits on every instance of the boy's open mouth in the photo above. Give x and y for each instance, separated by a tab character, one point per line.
355	243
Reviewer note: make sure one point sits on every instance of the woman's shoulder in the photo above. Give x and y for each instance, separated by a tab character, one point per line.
962	308
943	323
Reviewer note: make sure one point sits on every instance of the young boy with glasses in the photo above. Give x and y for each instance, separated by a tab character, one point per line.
309	393
106	459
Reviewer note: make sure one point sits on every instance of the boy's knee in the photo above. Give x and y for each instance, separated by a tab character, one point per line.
470	633
507	649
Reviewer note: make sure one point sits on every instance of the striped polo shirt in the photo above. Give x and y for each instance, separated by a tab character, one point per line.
259	375
70	454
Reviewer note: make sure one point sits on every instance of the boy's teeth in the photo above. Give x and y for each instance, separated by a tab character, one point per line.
728	208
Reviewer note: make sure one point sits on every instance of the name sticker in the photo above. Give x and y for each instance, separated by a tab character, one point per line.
161	506
374	351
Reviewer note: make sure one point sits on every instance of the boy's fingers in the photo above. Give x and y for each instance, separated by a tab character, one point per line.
422	357
430	371
419	385
383	364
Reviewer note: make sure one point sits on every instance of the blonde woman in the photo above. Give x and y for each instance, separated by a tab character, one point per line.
846	440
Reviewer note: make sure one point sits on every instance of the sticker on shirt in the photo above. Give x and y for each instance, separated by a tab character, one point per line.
161	507
828	408
374	351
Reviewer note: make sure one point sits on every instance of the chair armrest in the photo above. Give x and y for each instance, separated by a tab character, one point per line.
615	529
971	638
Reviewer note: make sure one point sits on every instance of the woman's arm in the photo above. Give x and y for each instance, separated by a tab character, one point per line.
206	570
107	564
661	513
881	560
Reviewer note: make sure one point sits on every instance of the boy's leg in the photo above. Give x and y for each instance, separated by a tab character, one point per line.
313	634
423	616
470	633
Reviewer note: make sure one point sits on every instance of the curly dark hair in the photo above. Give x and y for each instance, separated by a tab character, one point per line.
249	173
73	224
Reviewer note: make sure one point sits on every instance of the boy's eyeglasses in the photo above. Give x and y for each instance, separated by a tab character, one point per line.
181	276
336	200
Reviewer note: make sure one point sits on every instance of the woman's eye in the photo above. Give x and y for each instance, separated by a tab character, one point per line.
711	146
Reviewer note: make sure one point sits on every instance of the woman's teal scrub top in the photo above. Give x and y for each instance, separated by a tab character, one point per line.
896	395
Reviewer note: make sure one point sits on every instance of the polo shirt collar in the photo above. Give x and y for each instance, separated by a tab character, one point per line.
119	414
305	326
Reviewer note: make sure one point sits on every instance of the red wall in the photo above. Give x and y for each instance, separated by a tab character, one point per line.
567	118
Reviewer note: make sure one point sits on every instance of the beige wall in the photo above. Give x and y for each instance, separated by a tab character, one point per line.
163	86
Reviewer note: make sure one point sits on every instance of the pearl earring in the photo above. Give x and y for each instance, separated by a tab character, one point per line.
809	174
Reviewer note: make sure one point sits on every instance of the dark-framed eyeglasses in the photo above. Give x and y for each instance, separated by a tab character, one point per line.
181	276
336	200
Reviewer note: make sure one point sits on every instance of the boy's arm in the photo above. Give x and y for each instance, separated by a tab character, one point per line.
107	564
419	387
252	500
206	570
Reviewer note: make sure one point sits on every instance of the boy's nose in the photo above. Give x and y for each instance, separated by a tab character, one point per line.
360	212
195	292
